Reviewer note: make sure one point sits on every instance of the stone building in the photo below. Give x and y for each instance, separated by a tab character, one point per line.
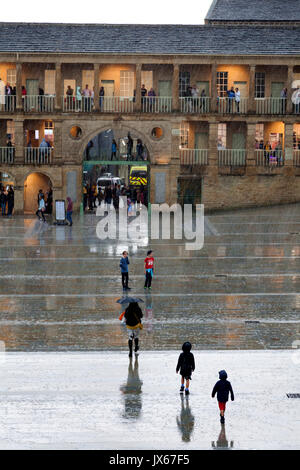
202	143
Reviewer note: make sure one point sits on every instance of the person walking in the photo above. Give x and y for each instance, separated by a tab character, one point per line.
129	146
139	150
69	211
114	149
133	315
3	201
222	389
41	208
10	201
124	262
148	267
185	365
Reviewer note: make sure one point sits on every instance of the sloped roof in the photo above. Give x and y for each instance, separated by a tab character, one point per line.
148	39
254	10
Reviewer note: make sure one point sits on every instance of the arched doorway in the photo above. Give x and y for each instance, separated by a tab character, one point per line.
33	183
116	157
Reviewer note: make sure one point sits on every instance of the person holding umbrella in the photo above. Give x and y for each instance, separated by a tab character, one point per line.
133	315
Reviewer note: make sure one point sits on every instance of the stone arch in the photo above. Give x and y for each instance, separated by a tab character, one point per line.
119	127
33	181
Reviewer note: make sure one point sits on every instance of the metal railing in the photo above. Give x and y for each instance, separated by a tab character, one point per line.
232	157
116	104
296	157
199	105
156	104
269	158
38	103
38	155
84	104
193	156
296	108
7	103
231	106
270	105
7	155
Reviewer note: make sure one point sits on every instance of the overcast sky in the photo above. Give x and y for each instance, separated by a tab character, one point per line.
116	11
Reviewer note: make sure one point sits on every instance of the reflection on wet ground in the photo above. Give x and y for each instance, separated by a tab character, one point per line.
59	285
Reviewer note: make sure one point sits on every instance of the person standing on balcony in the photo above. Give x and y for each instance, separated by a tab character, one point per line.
8	97
202	100
230	96
283	96
237	100
129	146
86	98
78	99
2	94
24	93
41	100
143	95
69	97
101	97
151	95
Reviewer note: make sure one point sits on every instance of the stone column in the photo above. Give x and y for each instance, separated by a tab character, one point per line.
290	76
57	142
18	86
213	89
251	98
175	88
96	86
288	144
138	86
19	142
213	146
174	169
58	87
250	147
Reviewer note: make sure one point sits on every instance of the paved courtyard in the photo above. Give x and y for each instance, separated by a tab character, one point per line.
239	294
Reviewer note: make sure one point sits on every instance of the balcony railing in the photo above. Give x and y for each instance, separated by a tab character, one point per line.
230	106
156	104
269	158
232	157
38	155
7	103
270	105
85	104
116	104
7	155
193	156
199	105
296	157
38	103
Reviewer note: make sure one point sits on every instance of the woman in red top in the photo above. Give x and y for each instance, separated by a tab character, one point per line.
69	211
149	267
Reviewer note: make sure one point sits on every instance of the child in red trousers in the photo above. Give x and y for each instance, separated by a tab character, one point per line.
222	389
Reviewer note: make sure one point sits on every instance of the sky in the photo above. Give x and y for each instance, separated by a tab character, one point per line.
116	11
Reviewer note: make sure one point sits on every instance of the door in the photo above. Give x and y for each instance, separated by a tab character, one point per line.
203	86
72	84
164	88
277	105
201	140
32	87
238	146
243	88
165	94
109	91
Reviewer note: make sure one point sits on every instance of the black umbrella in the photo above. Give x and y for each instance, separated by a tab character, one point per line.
129	300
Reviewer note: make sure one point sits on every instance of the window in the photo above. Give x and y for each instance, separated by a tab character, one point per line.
126	83
184	82
222	83
49	82
88	79
259	135
11	77
259	85
184	135
221	136
147	79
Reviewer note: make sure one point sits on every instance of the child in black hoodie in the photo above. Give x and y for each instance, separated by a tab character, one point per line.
186	365
222	389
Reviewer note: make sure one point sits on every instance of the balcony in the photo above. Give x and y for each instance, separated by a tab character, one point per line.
116	104
296	157
232	157
7	103
230	106
199	105
7	155
193	157
71	104
269	158
38	104
38	155
156	104
270	105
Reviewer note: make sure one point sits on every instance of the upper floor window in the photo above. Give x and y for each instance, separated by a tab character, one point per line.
184	82
11	77
222	83
259	85
126	83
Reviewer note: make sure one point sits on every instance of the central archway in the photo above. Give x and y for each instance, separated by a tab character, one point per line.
32	184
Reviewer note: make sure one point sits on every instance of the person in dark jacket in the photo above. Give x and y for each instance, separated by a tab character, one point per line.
124	262
186	365
222	389
10	201
133	316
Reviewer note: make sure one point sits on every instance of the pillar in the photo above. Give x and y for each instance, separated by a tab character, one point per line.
138	86
213	88
18	86
19	142
250	145
251	98
174	168
288	144
57	142
213	145
175	88
58	87
96	86
290	76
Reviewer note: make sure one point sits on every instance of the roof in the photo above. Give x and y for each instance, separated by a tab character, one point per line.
148	39
254	10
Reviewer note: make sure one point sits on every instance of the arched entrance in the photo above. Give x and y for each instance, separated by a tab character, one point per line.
32	184
116	157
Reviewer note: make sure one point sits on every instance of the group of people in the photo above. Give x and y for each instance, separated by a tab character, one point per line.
7	200
83	99
93	196
8	96
232	102
140	150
